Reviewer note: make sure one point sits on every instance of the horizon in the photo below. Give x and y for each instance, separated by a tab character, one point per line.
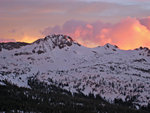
73	40
92	23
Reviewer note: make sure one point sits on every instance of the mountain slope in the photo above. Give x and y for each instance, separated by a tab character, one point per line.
45	98
58	60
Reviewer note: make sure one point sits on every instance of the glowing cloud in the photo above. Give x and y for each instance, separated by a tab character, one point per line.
127	34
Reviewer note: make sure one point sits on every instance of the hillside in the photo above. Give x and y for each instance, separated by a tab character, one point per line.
58	60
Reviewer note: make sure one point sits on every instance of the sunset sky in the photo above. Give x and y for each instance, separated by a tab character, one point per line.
125	23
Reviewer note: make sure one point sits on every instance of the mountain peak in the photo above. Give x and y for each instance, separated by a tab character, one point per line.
109	46
59	40
143	48
143	51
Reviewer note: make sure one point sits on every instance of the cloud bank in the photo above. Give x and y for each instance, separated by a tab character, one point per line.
129	33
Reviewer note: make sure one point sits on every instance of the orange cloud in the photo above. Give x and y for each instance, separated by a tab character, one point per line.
129	33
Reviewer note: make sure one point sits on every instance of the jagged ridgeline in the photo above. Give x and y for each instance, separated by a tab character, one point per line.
117	76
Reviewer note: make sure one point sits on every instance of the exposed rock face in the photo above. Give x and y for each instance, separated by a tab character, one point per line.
60	41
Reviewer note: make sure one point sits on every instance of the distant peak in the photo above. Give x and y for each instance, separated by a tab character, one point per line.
143	48
110	46
12	45
143	51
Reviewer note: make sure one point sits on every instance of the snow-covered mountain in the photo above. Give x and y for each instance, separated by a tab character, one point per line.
58	59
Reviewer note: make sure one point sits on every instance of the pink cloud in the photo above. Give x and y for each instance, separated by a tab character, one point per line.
83	32
130	33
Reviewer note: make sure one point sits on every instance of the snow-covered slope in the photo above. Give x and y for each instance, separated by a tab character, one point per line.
57	59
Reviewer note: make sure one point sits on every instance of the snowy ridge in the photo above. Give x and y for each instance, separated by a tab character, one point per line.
57	59
12	45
